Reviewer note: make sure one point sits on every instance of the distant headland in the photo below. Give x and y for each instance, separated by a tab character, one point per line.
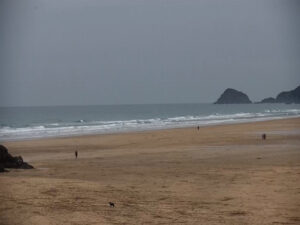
232	96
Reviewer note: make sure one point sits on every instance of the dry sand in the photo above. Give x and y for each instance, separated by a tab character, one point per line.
219	175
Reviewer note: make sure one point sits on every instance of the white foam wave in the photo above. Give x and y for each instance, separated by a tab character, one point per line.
89	127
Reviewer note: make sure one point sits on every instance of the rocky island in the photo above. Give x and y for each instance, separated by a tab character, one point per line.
268	100
289	97
232	96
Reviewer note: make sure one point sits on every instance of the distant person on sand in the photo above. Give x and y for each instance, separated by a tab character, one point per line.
76	154
264	136
198	127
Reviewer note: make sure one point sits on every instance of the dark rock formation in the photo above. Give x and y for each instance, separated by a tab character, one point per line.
9	161
289	97
2	169
268	100
231	96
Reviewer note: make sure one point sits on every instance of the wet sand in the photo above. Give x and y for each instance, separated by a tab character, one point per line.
222	174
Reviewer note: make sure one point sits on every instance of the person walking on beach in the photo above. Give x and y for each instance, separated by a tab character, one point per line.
76	154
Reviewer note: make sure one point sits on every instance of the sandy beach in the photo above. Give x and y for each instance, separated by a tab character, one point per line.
224	174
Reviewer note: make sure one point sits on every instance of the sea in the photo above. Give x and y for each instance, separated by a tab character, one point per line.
19	123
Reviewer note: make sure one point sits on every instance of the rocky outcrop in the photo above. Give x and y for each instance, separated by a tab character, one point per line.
268	100
231	96
9	161
2	169
289	97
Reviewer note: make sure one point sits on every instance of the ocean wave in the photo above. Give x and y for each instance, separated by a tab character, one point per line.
88	127
80	121
297	111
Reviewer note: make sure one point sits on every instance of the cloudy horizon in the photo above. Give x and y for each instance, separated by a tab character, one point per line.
142	52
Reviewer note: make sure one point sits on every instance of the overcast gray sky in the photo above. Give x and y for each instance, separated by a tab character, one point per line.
73	52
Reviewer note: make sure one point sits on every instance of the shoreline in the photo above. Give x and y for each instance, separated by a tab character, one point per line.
243	121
